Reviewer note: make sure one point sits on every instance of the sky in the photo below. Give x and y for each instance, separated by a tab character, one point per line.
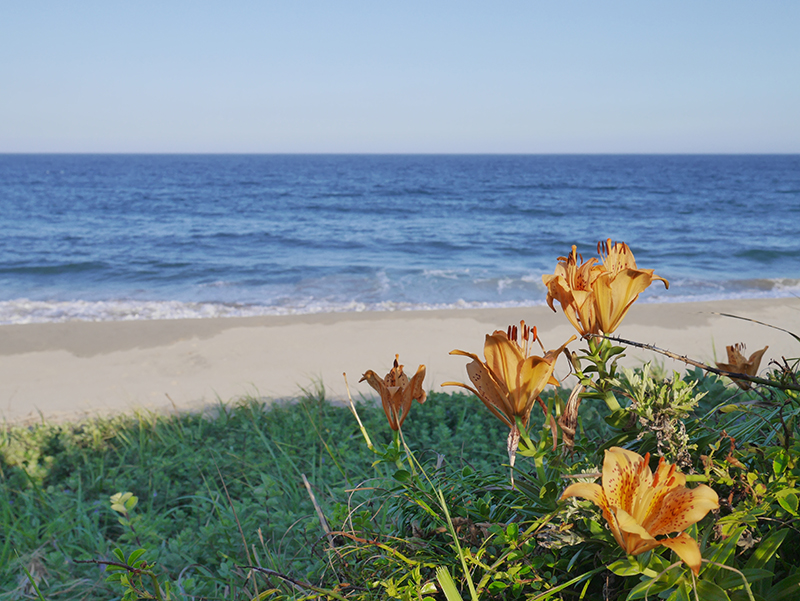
429	76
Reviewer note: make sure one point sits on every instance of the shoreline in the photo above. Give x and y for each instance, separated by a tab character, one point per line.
59	312
76	369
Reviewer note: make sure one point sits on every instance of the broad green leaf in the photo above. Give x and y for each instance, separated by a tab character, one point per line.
625	567
766	550
131	502
788	500
135	555
729	580
780	462
448	586
402	475
788	588
708	591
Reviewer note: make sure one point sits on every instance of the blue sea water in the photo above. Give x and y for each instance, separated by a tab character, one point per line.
100	237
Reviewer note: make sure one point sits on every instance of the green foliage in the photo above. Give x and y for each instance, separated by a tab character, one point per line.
214	505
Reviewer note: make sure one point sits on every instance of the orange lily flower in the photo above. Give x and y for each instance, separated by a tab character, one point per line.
511	379
397	391
571	286
738	364
596	296
619	284
639	505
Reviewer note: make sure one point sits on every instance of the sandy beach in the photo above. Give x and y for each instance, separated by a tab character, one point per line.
80	369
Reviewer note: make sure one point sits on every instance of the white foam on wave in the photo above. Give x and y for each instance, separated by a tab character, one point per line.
25	311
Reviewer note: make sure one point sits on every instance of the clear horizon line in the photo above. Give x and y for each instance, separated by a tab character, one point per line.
325	153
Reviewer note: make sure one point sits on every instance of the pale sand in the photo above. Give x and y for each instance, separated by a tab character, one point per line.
78	369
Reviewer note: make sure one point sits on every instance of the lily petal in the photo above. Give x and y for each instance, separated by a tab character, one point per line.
614	295
503	358
623	474
687	549
636	538
586	490
681	508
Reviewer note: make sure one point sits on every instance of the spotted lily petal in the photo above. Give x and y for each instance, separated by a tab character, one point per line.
681	508
640	506
586	490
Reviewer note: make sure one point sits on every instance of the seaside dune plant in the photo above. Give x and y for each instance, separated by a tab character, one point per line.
517	543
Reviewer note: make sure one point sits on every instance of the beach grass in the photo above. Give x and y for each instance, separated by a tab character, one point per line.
57	480
223	511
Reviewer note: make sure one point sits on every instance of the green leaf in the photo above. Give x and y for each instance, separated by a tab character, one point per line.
788	588
780	462
135	555
766	550
729	580
652	587
402	475
682	593
721	552
708	591
625	567
429	588
788	500
448	586
118	554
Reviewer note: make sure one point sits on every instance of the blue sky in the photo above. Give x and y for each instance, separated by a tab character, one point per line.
371	76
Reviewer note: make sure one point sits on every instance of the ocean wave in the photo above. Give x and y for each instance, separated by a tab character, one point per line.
26	311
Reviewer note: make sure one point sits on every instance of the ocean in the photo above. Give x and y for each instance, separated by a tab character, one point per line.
119	237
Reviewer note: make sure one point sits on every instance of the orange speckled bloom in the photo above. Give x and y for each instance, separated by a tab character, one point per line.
511	379
639	505
596	296
397	391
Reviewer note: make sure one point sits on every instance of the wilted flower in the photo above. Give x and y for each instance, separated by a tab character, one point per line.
739	365
595	296
397	391
639	505
511	379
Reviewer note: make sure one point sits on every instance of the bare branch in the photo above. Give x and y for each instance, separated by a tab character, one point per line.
703	366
